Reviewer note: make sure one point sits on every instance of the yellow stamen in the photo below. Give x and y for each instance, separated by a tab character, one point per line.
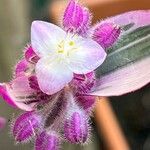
71	43
60	50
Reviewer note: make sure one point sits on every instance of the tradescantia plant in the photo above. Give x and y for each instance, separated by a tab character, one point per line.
63	69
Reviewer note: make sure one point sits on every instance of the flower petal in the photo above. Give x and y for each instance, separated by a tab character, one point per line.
45	37
88	56
52	76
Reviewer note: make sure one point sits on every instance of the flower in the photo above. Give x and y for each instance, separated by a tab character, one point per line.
55	81
62	54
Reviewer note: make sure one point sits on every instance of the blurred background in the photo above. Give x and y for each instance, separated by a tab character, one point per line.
131	110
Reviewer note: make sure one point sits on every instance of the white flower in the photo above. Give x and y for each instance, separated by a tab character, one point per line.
62	54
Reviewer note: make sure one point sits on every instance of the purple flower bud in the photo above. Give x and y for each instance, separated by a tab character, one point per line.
30	55
47	141
76	18
76	128
21	67
106	34
83	82
86	102
26	126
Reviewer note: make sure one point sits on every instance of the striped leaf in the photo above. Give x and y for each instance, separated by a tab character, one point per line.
127	65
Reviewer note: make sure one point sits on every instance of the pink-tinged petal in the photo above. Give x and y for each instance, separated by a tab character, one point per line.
45	37
2	122
136	19
125	80
76	18
88	56
106	34
30	55
18	93
52	75
21	67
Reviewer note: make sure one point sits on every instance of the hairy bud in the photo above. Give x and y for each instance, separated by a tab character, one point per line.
83	83
30	55
76	18
86	102
106	34
47	141
76	128
26	126
21	67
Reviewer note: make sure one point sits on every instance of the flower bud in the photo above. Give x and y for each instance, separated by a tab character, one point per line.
76	128
21	67
30	55
106	34
76	18
26	126
86	102
83	82
47	141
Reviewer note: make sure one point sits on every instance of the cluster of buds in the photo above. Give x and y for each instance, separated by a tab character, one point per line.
64	115
52	82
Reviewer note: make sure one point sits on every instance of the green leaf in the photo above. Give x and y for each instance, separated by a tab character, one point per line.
126	67
131	47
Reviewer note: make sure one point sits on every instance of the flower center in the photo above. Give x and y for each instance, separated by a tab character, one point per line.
61	47
65	47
